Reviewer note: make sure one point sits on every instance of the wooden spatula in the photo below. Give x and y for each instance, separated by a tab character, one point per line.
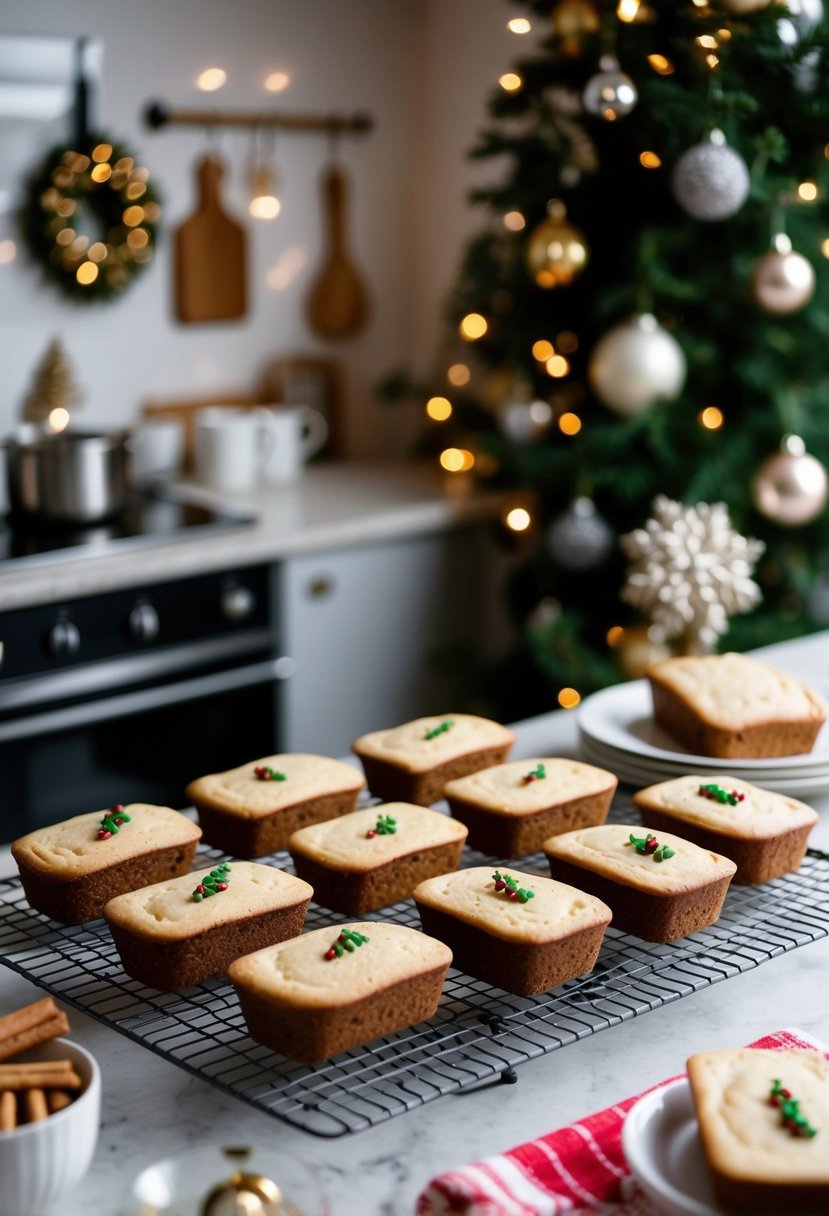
338	303
211	269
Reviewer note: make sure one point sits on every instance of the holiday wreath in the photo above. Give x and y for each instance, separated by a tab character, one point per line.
90	218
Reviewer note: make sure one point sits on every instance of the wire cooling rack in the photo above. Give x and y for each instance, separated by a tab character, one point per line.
478	1035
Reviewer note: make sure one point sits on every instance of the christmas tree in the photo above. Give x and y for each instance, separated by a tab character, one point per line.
646	312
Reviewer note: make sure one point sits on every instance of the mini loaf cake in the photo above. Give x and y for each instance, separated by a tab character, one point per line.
337	988
511	809
729	706
370	859
764	833
764	1123
413	762
181	932
660	888
71	869
252	810
519	932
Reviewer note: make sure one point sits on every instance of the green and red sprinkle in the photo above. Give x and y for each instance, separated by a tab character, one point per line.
348	941
650	847
716	793
536	774
213	883
386	825
790	1116
439	730
503	882
112	821
263	772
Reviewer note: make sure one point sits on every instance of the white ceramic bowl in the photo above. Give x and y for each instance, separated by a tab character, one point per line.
660	1139
39	1161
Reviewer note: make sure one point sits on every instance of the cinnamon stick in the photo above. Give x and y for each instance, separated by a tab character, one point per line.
58	1099
30	1026
8	1111
34	1104
58	1074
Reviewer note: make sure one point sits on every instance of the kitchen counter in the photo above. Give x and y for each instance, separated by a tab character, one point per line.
152	1109
331	507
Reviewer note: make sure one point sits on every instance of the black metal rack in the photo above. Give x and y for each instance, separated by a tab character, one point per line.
478	1035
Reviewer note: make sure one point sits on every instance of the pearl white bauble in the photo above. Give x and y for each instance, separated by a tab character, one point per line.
791	487
783	281
636	364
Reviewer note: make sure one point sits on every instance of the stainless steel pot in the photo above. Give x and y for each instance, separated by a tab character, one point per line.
75	477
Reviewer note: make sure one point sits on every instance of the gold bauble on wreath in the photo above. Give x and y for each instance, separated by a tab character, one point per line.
573	21
557	251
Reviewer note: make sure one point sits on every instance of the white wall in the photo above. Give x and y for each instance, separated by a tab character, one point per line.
422	68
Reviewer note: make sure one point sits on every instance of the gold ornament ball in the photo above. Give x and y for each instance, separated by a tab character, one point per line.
557	252
783	281
639	648
791	487
573	21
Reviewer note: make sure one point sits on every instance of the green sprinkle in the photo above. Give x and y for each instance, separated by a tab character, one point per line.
439	730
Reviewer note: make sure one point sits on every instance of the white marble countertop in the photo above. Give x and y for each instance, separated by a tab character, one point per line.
152	1109
330	507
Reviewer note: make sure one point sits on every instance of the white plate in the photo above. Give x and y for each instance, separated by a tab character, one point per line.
660	1140
621	717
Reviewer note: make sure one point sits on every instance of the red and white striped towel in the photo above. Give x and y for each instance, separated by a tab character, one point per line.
577	1169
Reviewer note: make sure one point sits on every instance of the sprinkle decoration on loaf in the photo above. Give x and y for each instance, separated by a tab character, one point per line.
112	821
348	941
439	730
536	774
790	1116
503	882
213	884
716	793
651	847
386	825
263	772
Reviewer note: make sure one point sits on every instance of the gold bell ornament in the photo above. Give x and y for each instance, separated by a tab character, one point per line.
557	251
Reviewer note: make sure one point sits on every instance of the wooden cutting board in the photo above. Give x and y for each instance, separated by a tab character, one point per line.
338	303
210	255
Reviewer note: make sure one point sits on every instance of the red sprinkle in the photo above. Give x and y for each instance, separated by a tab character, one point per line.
221	886
499	886
513	895
332	953
371	833
103	834
119	806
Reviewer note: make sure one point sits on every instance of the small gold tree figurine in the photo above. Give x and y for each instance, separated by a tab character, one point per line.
54	392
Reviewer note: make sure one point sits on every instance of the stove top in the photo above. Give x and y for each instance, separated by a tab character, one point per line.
150	517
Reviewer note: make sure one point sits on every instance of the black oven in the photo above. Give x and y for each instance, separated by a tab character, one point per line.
129	695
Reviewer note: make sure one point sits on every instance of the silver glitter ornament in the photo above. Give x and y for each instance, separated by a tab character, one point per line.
710	181
791	487
580	539
611	93
635	365
783	281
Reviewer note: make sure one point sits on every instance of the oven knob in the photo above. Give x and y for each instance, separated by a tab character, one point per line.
64	638
143	623
238	603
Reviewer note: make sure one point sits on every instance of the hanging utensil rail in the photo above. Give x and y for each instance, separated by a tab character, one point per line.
157	114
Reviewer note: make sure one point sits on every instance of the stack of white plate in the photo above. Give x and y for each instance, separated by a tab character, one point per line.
617	732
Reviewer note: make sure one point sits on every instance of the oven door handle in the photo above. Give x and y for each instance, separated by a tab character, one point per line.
55	721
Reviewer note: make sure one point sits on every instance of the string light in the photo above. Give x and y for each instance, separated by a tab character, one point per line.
614	635
86	273
456	460
518	519
101	153
540	412
439	408
264	204
557	366
59	418
711	418
569	423
824	248
473	326
807	191
459	375
510	82
649	160
543	350
627	10
519	25
515	221
211	79
276	82
661	64
708	41
568	698
712	61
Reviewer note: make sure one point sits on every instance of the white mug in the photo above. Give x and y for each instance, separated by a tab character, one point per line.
156	447
297	432
231	446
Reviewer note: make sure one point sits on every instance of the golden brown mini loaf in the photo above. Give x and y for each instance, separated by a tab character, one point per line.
763	832
511	809
413	762
730	705
70	869
659	888
517	931
337	988
370	859
252	810
186	930
763	1120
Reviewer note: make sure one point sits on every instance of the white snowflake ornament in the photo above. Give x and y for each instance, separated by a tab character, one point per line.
690	571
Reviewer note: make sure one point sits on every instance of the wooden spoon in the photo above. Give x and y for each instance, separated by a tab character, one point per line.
338	303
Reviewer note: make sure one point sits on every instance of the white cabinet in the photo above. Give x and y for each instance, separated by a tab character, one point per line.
370	631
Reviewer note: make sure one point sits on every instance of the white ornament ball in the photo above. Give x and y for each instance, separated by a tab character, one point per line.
791	487
783	281
611	93
636	364
710	180
580	539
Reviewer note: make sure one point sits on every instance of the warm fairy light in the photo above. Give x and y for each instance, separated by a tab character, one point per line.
557	366
468	460
569	423
65	237
59	418
701	3
510	82
724	35
711	418
661	65
439	408
807	192
614	635
264	207
519	25
211	79
568	698
627	10
8	252
67	206
518	519
139	238
459	375
86	273
649	160
712	61
473	326
543	350
456	460
101	173
98	251
540	412
708	41
515	221
567	342
101	152
277	82
133	216
824	248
